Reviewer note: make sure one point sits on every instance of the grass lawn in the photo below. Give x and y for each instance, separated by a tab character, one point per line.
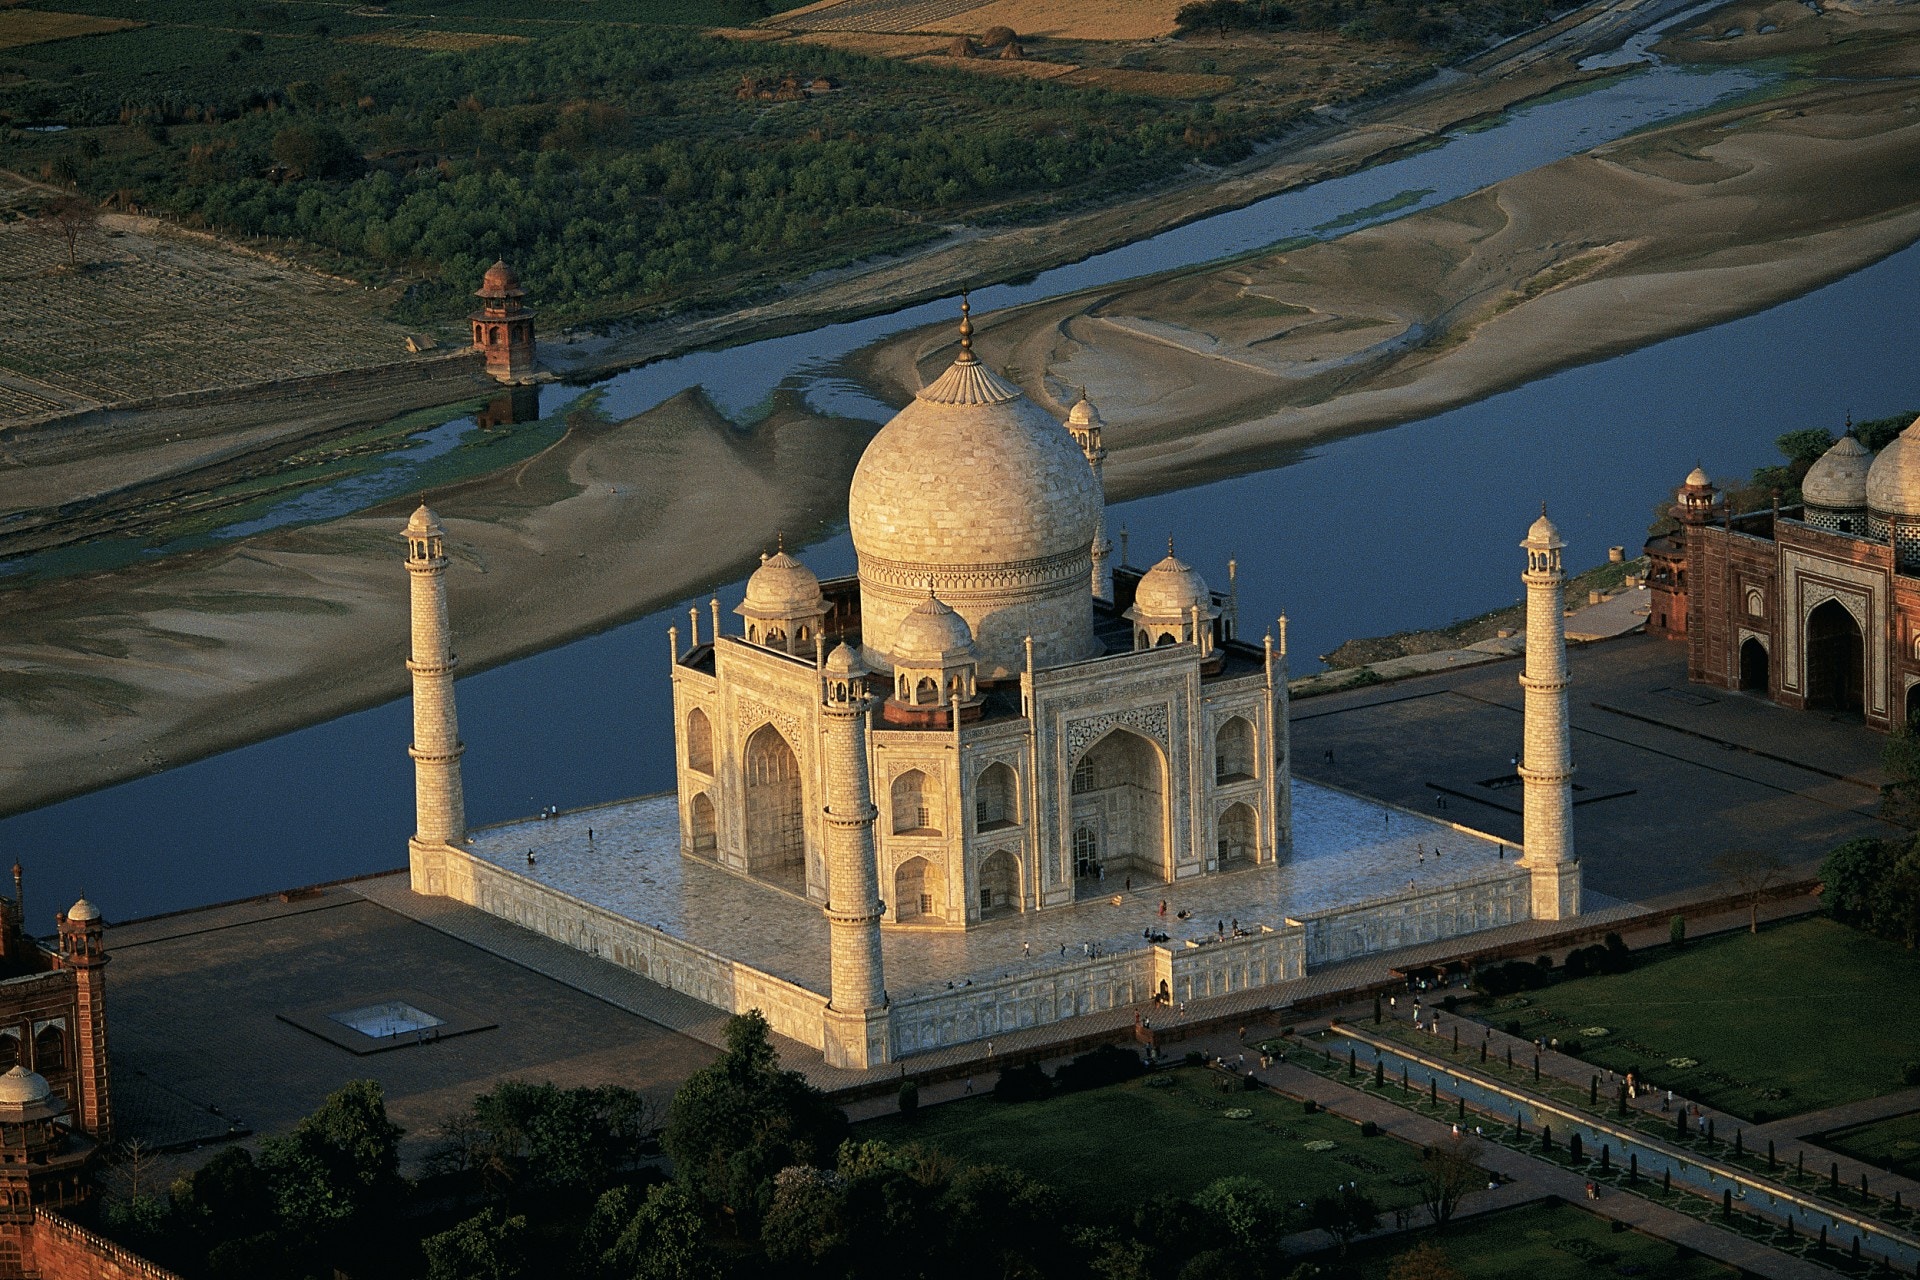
1795	1018
1893	1145
1135	1141
1552	1240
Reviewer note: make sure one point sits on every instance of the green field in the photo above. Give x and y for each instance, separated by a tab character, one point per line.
1133	1142
1893	1145
1552	1240
1795	1018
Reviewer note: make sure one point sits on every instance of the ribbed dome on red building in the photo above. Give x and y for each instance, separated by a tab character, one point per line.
500	282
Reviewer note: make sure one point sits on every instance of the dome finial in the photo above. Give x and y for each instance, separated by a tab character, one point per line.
966	331
780	541
1169	544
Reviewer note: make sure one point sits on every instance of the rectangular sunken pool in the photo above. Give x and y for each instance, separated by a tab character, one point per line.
382	1020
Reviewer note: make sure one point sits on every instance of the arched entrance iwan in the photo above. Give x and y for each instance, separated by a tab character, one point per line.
1836	660
1120	796
776	834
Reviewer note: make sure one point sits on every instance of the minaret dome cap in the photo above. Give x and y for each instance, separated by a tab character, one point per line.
424	523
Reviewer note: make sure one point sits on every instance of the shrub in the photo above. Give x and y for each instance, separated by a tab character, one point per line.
1368	1129
1195	1058
1308	1106
1911	1073
1450	1003
1109	1064
1677	931
1022	1084
909	1097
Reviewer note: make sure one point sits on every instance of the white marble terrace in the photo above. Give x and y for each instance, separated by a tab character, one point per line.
1347	850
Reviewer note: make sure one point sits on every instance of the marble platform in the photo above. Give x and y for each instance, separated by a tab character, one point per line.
625	857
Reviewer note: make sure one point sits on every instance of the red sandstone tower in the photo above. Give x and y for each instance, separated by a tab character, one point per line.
502	328
83	949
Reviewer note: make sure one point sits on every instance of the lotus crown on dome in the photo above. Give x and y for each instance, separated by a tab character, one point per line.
1839	478
782	587
19	1087
932	633
1171	589
1893	481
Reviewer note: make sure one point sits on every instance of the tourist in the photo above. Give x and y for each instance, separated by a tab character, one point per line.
589	835
969	1088
1163	908
1593	1192
530	857
1026	950
1128	886
1668	1104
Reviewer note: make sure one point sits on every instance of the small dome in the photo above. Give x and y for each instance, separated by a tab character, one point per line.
425	523
1893	481
500	282
782	587
1171	589
83	910
20	1087
845	661
1698	479
1839	479
1542	532
932	635
1083	414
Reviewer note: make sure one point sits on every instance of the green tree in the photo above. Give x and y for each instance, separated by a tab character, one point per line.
315	150
1245	1211
1850	877
1878	433
665	1240
1805	447
1346	1213
735	1124
486	1246
1896	900
340	1167
1900	760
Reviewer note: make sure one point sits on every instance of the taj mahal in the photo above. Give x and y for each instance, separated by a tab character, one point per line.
892	787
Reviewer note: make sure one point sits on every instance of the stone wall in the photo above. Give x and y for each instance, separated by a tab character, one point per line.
1417	916
989	1009
56	1249
707	976
1232	964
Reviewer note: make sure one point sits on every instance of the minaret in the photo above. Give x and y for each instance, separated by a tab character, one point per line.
83	949
857	1031
1083	420
1546	766
440	806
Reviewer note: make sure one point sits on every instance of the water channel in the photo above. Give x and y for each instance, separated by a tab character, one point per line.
1750	1195
1360	536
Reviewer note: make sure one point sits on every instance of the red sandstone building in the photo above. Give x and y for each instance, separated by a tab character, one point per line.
1816	606
502	327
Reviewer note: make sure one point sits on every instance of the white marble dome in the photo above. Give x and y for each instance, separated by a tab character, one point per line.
1170	590
1698	479
83	910
932	635
974	490
1893	481
1839	479
782	587
20	1086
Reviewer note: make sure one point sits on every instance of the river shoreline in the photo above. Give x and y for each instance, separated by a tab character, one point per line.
125	674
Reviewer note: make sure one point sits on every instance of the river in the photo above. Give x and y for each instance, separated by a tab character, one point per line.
1405	527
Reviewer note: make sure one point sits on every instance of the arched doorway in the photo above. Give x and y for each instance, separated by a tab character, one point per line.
995	799
699	741
1753	665
1239	845
912	804
1233	751
776	836
919	891
1836	660
999	884
1119	800
706	832
1913	703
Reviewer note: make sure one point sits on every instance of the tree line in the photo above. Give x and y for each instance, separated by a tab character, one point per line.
767	1180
